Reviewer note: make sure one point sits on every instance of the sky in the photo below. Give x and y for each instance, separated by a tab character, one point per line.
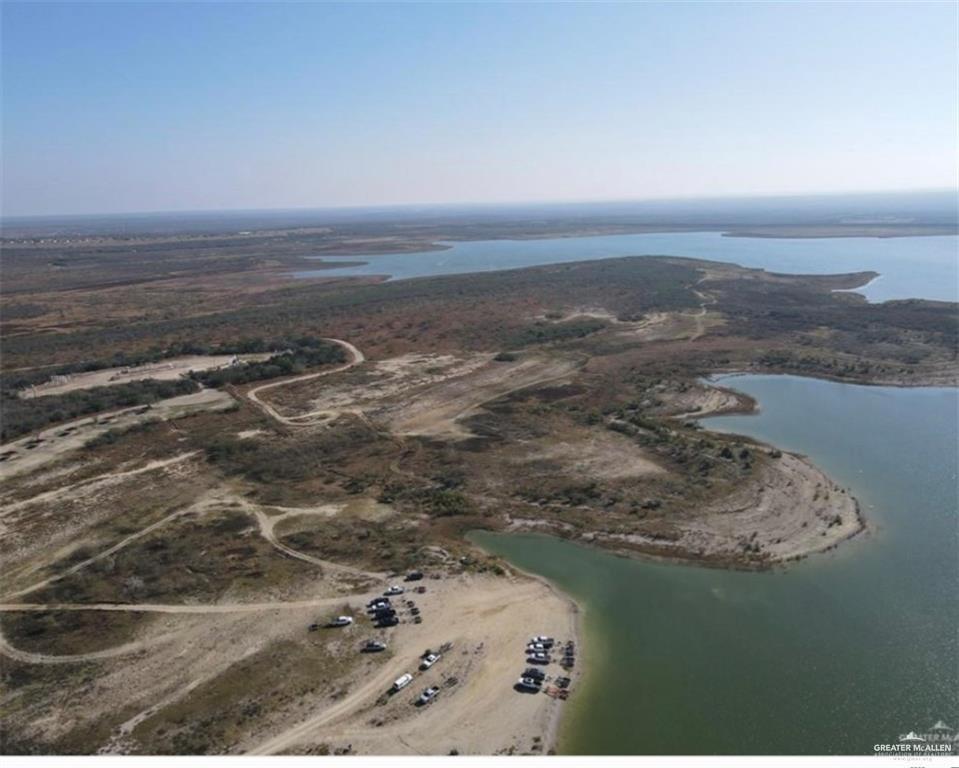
133	106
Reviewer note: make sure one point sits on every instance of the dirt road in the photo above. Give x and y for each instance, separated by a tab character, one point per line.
45	658
486	622
321	602
95	483
267	524
437	410
34	451
700	316
357	357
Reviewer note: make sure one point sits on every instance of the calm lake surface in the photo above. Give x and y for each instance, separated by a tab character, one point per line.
909	267
832	655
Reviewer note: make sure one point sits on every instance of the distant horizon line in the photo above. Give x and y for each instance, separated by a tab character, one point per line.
487	204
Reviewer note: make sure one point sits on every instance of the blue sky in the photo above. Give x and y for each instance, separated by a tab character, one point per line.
135	106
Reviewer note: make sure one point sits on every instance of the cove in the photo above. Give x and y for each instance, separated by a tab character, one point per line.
832	655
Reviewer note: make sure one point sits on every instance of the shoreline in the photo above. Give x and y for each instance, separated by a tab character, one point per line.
948	381
483	622
575	613
447	243
791	512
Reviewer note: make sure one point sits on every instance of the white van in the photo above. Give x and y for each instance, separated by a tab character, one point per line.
401	682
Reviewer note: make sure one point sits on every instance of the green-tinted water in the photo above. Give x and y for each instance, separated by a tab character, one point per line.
835	654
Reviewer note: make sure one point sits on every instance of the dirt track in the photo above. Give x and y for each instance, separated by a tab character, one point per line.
488	619
304	419
436	411
321	602
267	524
488	622
53	444
701	315
170	369
86	486
45	658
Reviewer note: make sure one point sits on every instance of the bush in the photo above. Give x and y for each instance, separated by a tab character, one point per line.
304	352
21	417
543	333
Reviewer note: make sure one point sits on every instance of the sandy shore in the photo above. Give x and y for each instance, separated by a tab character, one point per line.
487	622
480	623
792	510
704	399
789	511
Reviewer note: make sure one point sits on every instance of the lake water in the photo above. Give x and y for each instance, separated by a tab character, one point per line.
832	655
910	267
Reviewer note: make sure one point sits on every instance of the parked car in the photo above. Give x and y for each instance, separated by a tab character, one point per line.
528	684
401	682
542	639
394	590
387	621
429	661
537	658
341	621
373	646
533	672
414	576
427	696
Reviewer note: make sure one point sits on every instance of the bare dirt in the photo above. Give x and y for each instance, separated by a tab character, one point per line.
438	410
40	449
594	454
487	623
791	511
303	419
164	370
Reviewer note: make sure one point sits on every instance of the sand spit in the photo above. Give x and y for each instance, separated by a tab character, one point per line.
791	511
703	399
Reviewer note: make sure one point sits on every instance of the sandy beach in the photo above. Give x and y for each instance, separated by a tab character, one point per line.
486	622
479	623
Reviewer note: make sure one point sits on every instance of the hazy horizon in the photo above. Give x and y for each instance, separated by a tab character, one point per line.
426	205
128	108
